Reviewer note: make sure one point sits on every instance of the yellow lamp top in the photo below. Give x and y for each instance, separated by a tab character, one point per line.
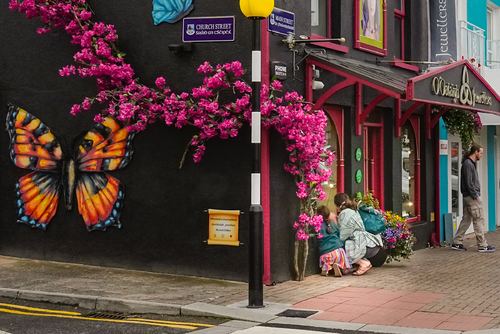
257	8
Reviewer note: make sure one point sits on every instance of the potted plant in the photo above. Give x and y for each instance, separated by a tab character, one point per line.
397	237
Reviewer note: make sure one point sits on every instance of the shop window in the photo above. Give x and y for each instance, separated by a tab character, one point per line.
411	171
399	30
331	186
320	18
326	22
402	35
492	36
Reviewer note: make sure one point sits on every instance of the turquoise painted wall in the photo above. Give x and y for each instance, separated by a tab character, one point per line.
490	151
443	180
496	2
476	13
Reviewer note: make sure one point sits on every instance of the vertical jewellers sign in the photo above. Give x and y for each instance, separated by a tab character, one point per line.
443	34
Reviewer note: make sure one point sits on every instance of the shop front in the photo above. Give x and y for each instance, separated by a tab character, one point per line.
387	135
460	86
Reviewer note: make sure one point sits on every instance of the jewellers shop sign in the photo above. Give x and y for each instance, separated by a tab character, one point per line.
457	85
464	94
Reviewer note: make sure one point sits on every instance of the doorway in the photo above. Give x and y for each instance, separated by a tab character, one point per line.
373	148
455	154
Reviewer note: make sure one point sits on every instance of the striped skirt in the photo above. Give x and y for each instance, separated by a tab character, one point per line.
337	256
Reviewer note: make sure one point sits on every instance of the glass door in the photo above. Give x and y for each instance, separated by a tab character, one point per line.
455	157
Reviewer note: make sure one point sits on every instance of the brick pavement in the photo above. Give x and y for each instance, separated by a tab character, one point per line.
468	285
469	282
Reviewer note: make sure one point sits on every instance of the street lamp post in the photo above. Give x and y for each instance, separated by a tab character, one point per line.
256	10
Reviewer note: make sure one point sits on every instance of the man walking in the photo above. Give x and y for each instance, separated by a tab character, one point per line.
473	206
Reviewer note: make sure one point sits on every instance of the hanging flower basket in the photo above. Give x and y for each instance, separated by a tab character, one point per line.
464	123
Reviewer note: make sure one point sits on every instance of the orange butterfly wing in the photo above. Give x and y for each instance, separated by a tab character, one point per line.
100	200
37	198
107	146
33	146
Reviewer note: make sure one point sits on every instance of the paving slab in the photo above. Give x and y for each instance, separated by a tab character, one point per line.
239	324
9	293
216	330
317	323
403	330
207	310
132	306
84	301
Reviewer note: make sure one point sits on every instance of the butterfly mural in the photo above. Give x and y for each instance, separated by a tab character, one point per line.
107	146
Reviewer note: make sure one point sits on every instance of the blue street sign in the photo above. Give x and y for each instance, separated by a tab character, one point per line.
208	29
281	21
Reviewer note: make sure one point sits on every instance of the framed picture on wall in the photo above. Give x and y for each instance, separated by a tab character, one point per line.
370	33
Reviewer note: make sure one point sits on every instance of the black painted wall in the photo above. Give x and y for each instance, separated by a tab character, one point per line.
164	225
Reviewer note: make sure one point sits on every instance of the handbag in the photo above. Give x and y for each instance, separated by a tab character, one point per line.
373	220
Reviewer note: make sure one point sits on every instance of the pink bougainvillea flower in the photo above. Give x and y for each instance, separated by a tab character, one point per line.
160	82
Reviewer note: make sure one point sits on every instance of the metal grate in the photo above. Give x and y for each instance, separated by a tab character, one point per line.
105	315
297	313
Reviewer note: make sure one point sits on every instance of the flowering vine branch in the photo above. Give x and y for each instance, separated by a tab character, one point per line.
125	97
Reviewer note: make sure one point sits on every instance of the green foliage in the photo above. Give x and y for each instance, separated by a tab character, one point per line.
463	123
368	199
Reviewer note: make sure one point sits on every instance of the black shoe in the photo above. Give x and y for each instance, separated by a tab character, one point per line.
459	247
486	249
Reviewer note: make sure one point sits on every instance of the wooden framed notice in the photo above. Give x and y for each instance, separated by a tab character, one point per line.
223	227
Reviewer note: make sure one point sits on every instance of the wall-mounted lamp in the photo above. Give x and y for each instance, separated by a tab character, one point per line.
180	49
291	41
317	85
